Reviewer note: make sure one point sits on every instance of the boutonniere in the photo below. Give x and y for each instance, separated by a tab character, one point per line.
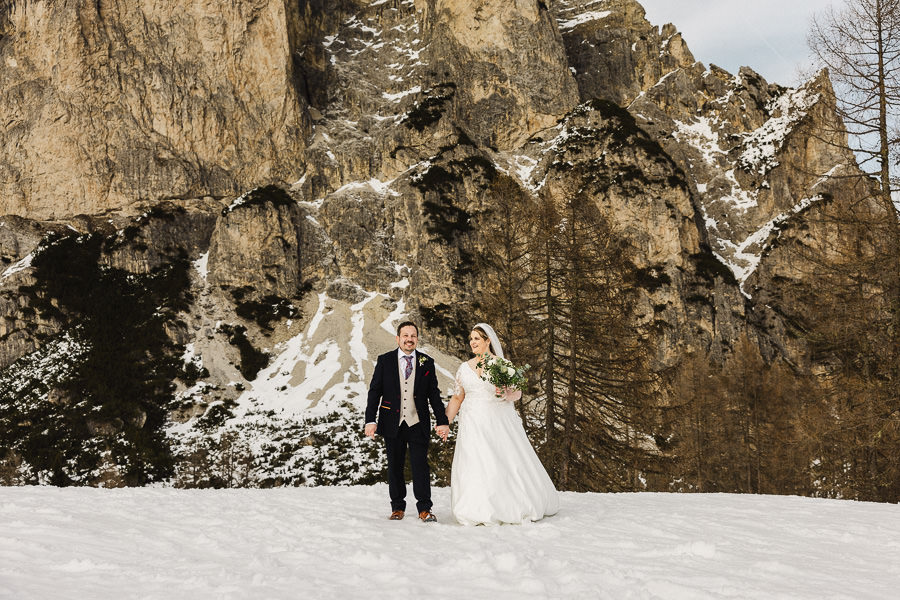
422	359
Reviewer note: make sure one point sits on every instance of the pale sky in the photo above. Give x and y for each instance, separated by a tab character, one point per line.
767	35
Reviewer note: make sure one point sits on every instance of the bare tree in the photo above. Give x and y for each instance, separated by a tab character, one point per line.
857	323
846	309
508	227
595	377
859	44
545	308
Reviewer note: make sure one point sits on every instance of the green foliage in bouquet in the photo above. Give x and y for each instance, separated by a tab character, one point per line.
502	373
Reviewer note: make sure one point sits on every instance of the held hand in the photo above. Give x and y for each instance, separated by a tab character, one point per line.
370	430
443	431
509	394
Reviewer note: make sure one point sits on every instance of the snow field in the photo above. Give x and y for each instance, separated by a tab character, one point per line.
336	542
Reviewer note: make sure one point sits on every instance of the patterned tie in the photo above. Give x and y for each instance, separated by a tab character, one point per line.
408	370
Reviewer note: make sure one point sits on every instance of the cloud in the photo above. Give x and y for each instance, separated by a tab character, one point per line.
767	35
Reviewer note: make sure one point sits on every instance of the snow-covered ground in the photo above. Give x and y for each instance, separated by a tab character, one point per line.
335	542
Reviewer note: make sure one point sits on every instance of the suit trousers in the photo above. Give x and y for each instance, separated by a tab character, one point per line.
415	439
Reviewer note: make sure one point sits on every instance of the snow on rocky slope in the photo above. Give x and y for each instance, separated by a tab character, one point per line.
301	418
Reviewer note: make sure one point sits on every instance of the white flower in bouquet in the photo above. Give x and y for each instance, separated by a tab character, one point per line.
502	373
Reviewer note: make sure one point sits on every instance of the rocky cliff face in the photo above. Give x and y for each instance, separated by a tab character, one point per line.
614	51
508	63
154	133
754	154
108	104
689	296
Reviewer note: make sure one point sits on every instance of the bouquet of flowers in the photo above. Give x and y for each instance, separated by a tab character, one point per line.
502	373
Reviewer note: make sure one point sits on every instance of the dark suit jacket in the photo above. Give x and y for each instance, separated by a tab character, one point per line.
384	394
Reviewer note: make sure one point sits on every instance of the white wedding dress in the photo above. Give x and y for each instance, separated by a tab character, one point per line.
496	476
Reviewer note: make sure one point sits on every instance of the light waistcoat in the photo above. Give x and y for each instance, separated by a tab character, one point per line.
407	402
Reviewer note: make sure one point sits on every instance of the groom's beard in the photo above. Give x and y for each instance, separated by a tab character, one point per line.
408	347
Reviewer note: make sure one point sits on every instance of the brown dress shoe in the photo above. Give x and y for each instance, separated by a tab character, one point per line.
396	515
427	516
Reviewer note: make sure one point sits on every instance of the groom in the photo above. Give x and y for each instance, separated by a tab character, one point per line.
403	385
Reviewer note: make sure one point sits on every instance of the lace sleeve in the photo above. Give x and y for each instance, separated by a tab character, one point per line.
458	389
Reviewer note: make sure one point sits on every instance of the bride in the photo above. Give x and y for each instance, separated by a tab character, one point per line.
496	476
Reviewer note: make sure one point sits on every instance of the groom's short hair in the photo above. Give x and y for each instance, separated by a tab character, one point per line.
406	324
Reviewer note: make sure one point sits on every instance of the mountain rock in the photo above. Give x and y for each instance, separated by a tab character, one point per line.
600	151
614	51
508	63
108	104
308	174
395	117
257	243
